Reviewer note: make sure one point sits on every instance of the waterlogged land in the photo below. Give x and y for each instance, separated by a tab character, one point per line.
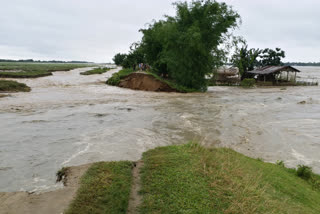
35	70
70	119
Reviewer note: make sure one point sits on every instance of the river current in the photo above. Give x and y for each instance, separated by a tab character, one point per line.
68	119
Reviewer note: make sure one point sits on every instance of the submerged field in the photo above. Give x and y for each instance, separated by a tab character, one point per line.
192	179
33	70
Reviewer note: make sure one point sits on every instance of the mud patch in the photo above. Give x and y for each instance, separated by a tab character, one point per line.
145	82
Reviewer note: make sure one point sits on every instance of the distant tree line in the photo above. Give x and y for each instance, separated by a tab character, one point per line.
41	61
302	63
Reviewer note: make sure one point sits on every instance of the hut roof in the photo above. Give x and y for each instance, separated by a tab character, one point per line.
273	69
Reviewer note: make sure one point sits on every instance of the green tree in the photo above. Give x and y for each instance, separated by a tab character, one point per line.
246	60
272	57
135	56
249	59
119	58
185	47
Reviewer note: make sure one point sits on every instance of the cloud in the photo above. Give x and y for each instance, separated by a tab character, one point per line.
96	30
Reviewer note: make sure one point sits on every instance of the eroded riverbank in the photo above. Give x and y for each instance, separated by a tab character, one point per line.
69	119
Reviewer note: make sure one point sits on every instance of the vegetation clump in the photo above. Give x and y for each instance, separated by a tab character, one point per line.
304	172
186	47
13	86
96	71
62	174
248	83
105	188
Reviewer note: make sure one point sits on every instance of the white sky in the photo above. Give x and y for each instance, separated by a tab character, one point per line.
98	29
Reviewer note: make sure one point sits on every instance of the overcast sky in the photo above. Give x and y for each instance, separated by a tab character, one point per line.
96	30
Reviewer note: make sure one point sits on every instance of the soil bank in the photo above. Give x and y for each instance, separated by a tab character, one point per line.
145	82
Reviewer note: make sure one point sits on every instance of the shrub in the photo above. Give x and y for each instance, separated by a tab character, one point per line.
61	174
248	83
280	163
304	172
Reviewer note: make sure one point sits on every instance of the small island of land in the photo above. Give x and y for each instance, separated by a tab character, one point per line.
96	71
7	86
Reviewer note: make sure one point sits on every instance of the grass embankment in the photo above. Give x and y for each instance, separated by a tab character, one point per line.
117	77
13	86
191	179
34	70
96	71
105	188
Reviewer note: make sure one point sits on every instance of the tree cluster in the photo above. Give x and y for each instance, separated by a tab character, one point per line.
248	59
185	47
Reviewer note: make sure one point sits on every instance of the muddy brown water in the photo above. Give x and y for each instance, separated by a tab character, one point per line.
70	119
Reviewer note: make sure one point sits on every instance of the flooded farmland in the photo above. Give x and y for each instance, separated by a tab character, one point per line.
69	119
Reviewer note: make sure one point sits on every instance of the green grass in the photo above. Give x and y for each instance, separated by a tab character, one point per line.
105	188
34	70
13	86
192	179
96	71
116	77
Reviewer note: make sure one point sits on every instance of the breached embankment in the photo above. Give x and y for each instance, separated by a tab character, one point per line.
145	82
48	202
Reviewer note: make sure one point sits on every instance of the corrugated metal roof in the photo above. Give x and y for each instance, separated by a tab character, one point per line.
272	69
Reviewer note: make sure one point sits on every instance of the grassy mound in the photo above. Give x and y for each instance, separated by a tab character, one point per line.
105	188
117	77
191	179
96	71
13	86
34	70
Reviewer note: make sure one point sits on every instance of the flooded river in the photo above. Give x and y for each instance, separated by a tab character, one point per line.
69	119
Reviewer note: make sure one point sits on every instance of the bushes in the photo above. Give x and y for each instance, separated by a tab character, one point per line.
304	172
248	83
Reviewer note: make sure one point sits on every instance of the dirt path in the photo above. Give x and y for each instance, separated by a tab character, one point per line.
54	202
135	198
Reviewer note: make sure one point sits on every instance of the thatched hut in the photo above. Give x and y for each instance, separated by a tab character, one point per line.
276	74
